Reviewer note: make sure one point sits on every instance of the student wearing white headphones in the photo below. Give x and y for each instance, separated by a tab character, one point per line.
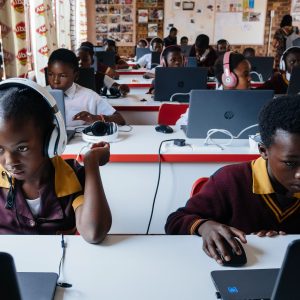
40	193
280	80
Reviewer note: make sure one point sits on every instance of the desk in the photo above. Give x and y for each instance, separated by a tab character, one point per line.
135	267
130	178
135	111
131	71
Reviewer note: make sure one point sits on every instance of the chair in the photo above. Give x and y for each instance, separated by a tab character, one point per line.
169	113
86	78
197	186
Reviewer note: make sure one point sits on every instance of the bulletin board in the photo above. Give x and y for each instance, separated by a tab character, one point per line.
115	19
240	22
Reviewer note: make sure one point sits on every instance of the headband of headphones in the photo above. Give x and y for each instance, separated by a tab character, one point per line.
229	79
155	39
167	50
144	40
56	143
100	132
282	65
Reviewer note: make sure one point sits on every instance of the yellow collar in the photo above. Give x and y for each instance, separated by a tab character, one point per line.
66	181
261	181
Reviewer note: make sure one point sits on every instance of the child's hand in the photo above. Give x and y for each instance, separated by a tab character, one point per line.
268	233
86	117
99	154
124	89
214	235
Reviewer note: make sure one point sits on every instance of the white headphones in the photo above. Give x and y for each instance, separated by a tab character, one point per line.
56	143
100	132
282	65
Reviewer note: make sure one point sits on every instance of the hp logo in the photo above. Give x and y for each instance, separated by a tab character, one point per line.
229	115
232	290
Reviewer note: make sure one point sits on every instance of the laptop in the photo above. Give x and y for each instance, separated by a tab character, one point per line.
86	78
169	81
106	57
232	110
273	284
186	49
261	68
155	59
58	95
294	84
192	62
139	52
25	285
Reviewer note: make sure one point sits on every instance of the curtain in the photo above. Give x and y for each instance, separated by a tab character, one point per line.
63	21
13	33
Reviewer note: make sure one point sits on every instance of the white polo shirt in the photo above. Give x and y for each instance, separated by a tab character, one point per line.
79	98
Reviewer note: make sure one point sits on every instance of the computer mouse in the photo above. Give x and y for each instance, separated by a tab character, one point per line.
164	129
236	260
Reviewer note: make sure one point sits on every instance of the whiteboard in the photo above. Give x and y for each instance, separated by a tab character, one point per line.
240	22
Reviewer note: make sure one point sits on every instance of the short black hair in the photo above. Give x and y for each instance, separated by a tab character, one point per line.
234	60
249	51
156	40
184	38
22	104
222	41
144	41
173	29
202	41
287	20
64	56
280	113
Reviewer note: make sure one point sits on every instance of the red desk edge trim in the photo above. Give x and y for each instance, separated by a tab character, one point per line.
176	158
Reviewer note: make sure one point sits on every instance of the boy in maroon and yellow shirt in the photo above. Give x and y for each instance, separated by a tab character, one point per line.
261	197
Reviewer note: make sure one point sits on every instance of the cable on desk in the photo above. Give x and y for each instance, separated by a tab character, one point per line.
176	141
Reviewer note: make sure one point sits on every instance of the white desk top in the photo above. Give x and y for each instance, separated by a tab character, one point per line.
134	100
145	140
135	267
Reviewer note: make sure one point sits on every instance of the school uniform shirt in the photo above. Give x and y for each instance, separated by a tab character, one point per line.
59	199
241	196
145	61
79	98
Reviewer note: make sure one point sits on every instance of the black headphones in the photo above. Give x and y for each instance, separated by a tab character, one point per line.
114	92
100	131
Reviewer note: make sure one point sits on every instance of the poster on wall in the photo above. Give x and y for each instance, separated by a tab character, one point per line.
115	19
295	12
152	30
143	16
150	3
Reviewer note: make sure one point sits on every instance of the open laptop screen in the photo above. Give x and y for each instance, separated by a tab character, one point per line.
232	110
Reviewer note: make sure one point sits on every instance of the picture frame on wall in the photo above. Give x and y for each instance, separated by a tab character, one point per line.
188	5
150	3
143	16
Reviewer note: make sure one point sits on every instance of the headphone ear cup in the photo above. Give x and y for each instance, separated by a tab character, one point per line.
229	80
99	128
50	144
282	64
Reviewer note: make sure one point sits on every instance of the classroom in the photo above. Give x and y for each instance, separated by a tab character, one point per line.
149	149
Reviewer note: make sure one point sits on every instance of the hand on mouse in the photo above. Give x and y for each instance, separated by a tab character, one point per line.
215	235
268	233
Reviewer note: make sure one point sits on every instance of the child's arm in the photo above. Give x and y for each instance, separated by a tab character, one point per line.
89	118
93	217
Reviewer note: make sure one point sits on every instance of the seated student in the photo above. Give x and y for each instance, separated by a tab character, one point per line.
249	52
222	46
156	45
142	43
40	193
102	68
205	54
110	45
280	80
171	58
85	55
233	63
83	106
184	41
171	39
261	197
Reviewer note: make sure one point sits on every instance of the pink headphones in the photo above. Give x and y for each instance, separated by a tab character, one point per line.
163	60
229	79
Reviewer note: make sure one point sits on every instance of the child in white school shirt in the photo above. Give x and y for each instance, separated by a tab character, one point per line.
83	106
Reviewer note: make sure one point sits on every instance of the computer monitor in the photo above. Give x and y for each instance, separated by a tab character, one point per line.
192	62
86	78
294	83
232	110
155	59
139	52
261	67
106	57
169	81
